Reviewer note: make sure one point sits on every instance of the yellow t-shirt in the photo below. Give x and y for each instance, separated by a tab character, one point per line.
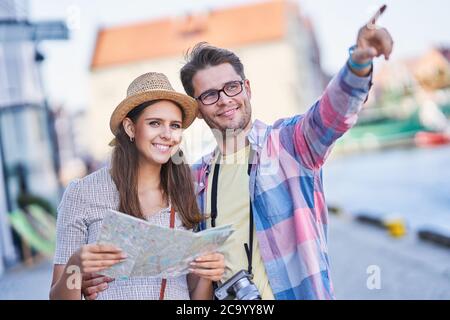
233	206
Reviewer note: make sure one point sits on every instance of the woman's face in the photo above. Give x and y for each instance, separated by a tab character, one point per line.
157	132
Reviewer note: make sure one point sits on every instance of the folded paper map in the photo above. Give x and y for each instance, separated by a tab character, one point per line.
153	250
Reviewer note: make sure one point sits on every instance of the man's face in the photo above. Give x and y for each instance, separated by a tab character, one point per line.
228	112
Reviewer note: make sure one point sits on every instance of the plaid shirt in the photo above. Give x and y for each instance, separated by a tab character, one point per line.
286	190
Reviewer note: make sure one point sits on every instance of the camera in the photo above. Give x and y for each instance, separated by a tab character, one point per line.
238	287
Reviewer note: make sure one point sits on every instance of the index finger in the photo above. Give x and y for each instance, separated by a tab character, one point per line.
90	276
376	16
209	257
104	248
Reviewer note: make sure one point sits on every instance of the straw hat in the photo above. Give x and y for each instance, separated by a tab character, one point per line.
148	87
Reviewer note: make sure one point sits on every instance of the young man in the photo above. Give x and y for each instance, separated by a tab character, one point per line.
272	174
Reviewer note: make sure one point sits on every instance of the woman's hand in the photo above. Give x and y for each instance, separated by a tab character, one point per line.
88	259
93	258
93	284
210	266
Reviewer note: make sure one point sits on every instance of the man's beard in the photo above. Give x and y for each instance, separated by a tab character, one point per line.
235	129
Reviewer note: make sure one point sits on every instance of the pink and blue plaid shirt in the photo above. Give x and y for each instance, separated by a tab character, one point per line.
286	190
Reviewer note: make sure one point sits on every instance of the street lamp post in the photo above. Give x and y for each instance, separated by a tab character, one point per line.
15	29
12	30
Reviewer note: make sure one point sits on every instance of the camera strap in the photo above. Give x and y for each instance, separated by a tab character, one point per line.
248	246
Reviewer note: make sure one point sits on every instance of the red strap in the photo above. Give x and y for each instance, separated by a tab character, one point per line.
164	281
163	289
172	218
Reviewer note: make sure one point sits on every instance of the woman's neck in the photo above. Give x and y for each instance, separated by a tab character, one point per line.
149	177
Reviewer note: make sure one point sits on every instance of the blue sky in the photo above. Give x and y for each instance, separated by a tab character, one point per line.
414	25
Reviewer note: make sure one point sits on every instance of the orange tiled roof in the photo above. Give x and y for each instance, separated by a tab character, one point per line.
173	36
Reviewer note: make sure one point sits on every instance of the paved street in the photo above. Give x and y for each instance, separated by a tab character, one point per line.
25	283
409	268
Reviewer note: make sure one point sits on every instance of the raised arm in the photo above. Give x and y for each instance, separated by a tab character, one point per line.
337	109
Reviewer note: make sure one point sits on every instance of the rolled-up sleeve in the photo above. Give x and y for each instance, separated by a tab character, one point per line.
72	230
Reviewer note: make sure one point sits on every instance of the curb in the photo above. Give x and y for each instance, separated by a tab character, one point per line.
395	225
434	236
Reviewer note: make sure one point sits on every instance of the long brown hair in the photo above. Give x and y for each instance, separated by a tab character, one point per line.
176	179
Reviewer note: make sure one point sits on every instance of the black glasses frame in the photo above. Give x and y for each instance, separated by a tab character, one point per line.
241	82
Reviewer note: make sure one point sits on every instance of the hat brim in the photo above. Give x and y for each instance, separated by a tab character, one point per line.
188	105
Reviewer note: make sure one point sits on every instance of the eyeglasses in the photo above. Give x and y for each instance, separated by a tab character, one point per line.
231	89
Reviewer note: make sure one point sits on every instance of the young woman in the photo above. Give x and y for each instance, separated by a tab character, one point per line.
142	181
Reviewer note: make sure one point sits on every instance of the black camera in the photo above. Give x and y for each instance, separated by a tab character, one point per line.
238	287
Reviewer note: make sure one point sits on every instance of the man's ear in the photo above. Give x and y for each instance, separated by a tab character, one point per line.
128	126
247	88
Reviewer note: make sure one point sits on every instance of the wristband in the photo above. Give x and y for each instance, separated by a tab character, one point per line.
353	64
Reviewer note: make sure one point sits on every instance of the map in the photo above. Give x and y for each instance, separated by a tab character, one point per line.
153	250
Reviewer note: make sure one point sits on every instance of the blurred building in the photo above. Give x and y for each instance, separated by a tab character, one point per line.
75	160
429	72
28	154
432	70
274	40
